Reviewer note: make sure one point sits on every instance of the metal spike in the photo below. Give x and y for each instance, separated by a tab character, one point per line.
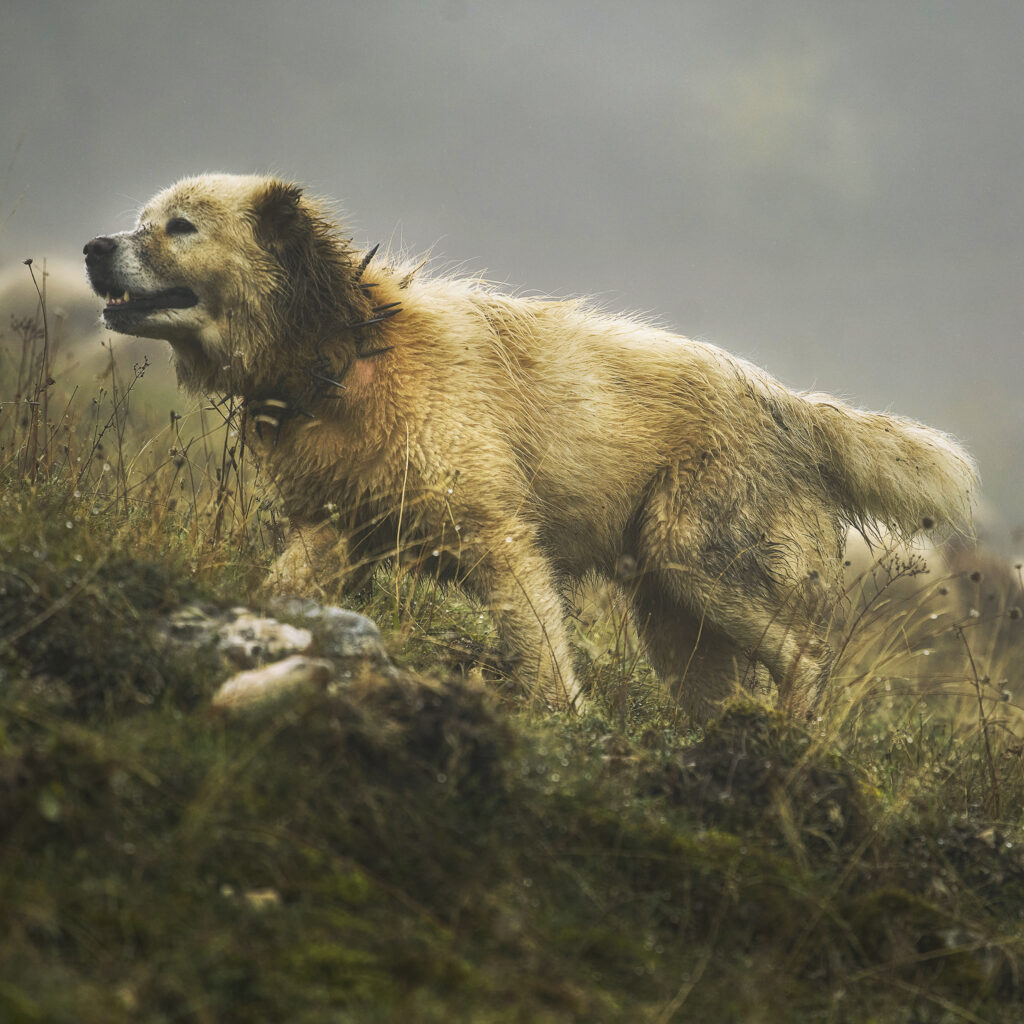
329	380
387	305
375	320
366	261
374	352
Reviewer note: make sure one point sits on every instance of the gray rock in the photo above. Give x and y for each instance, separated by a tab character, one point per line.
191	624
261	686
340	633
331	644
250	640
243	637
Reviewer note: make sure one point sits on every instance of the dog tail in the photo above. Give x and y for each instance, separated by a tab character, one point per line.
891	469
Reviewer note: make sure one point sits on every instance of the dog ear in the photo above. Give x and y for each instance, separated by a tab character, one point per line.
279	217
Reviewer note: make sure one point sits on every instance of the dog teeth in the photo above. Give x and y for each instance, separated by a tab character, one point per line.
113	301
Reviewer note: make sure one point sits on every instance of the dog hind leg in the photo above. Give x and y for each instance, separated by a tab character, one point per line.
700	665
756	600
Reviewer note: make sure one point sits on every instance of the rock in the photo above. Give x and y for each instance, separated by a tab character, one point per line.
250	640
191	624
341	633
280	658
261	686
247	640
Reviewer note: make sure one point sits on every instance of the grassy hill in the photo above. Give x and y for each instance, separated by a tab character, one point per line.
427	846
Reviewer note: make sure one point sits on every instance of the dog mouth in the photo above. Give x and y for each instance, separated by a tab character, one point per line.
149	302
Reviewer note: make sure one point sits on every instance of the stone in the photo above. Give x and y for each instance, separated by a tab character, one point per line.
250	640
270	683
340	633
330	644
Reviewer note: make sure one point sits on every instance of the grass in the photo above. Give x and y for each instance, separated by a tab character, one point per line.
429	848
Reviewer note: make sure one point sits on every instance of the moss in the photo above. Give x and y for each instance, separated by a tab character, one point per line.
414	847
77	618
929	946
754	769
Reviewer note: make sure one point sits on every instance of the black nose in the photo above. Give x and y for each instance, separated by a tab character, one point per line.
98	248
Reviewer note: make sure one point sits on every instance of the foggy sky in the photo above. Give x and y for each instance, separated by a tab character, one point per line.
832	190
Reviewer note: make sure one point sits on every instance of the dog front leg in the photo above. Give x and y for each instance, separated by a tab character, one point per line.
312	565
518	588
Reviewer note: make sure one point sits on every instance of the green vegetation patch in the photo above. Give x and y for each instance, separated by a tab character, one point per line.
77	608
413	848
424	847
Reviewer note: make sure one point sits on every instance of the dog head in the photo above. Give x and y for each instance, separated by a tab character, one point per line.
217	265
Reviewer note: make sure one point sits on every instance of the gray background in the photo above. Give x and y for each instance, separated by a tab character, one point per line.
830	189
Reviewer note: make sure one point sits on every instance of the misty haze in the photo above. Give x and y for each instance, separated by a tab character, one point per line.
830	190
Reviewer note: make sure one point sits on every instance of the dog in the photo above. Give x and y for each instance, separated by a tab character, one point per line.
516	446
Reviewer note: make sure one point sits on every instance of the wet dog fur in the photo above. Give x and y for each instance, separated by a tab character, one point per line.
516	446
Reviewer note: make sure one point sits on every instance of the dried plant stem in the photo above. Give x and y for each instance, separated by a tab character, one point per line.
983	718
42	389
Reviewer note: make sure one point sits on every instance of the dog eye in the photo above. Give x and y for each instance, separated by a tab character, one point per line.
180	226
